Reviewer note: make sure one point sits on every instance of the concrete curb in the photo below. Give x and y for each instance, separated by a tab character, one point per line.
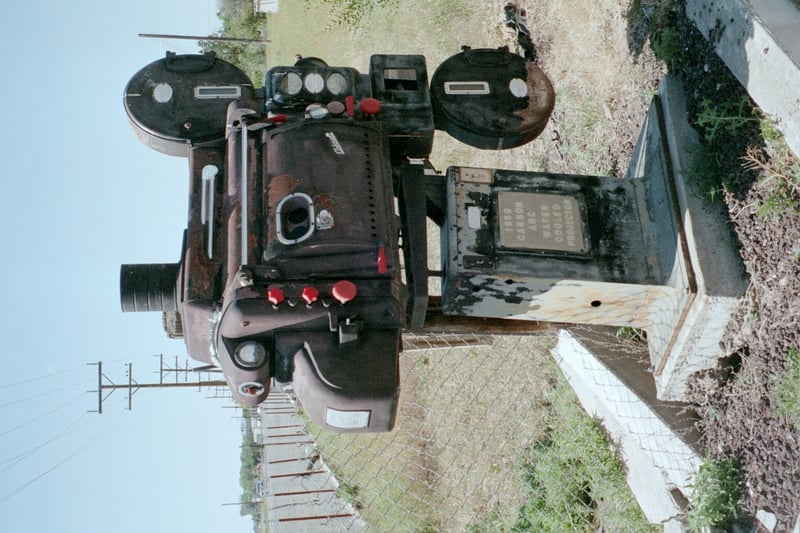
721	280
659	463
759	42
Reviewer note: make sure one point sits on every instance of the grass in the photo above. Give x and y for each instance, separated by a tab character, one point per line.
786	391
467	415
705	173
780	171
384	496
717	491
575	481
485	445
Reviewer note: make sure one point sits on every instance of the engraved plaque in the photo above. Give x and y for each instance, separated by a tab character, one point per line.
537	221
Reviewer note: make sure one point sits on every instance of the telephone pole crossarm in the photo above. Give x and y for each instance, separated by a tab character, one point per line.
106	387
205	38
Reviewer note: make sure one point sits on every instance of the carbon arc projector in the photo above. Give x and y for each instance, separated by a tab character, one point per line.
300	195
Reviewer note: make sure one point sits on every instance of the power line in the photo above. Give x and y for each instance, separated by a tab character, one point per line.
83	447
31	380
205	38
49	392
48	413
71	428
106	387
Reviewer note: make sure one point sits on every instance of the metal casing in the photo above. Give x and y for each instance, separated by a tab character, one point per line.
180	100
491	99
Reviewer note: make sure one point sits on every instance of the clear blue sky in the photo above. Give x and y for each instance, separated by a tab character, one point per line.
81	196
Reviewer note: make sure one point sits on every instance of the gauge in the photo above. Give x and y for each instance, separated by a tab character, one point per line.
250	354
336	83
291	83
314	83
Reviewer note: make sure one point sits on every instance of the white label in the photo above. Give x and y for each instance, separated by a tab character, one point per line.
162	93
347	419
474	217
466	87
475	175
518	88
216	92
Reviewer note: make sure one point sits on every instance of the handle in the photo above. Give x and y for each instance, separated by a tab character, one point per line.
188	64
487	57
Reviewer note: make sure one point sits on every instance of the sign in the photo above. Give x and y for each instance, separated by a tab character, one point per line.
538	221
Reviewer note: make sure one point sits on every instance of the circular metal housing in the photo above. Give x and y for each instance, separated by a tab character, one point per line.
182	100
491	99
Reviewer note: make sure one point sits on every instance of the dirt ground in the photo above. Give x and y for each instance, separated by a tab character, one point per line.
738	415
600	59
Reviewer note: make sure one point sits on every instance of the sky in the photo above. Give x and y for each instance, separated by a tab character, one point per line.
80	196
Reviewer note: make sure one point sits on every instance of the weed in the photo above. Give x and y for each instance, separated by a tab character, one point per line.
351	12
730	116
779	169
706	174
716	494
786	392
667	45
350	494
627	333
572	474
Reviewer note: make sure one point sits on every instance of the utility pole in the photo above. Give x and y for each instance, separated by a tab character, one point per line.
106	387
205	38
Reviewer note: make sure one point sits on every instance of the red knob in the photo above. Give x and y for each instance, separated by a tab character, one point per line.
344	291
275	295
370	106
310	294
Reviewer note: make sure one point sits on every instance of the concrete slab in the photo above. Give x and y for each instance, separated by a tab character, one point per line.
759	42
715	279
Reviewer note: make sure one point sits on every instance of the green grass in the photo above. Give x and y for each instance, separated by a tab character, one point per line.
574	479
717	491
414	27
786	391
706	175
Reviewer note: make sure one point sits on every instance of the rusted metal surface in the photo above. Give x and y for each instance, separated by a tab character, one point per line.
541	101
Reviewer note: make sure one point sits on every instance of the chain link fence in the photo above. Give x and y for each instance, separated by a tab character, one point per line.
489	437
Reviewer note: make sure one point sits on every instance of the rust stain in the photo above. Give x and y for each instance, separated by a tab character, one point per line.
541	100
279	187
324	201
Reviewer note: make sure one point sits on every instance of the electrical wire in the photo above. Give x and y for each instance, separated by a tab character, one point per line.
71	428
85	446
31	380
45	415
49	392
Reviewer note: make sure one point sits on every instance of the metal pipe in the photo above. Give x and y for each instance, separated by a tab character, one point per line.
243	192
